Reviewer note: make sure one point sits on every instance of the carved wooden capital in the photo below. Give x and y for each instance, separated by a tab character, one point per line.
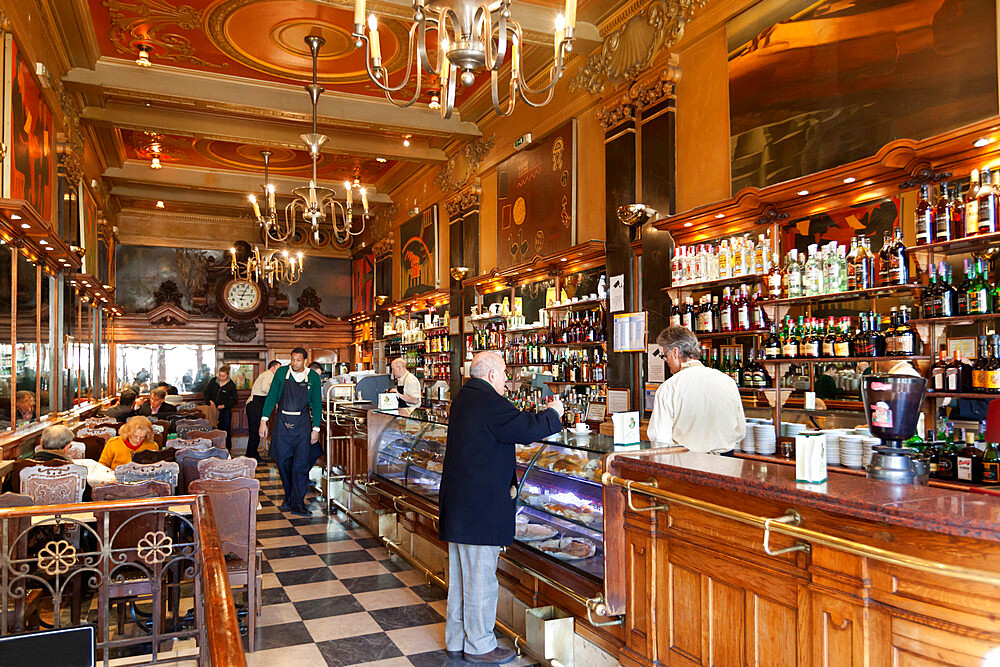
645	92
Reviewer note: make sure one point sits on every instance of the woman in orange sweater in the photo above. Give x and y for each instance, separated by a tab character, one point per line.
135	436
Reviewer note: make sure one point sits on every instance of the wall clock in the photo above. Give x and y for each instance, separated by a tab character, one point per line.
241	299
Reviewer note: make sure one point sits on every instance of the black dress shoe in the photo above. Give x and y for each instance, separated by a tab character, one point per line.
498	656
455	654
301	511
285	507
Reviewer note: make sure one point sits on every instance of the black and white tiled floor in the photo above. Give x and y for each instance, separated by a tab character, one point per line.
333	595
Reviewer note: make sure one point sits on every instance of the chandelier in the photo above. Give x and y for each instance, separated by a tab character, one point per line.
473	36
267	217
271	266
315	202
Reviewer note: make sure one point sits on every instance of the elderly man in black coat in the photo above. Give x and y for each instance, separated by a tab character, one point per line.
477	502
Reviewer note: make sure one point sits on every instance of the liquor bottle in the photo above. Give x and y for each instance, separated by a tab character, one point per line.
758	315
958	374
972	205
725	260
993	370
930	300
675	315
956	212
676	266
813	280
898	272
877	337
987	201
948	306
812	343
883	261
923	217
760	378
793	275
979	291
890	333
864	265
743	310
791	347
979	368
772	346
967	459
937	379
774	280
715	315
962	291
687	313
762	256
830	337
852	258
907	341
843	344
942	215
991	464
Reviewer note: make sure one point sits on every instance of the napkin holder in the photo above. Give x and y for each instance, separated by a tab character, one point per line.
810	457
626	425
388	401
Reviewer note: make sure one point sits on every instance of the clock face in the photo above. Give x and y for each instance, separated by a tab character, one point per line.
242	295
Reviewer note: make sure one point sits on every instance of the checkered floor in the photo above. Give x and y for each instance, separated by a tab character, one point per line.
333	595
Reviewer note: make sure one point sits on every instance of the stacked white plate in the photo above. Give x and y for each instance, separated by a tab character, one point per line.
764	439
851	450
869	444
791	429
748	444
832	446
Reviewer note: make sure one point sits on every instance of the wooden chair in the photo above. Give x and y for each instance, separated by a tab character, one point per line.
159	438
188	460
14	476
25	608
76	450
210	414
234	504
185	426
104	432
217	436
163	471
241	466
189	443
129	579
54	485
164	424
93	444
155	455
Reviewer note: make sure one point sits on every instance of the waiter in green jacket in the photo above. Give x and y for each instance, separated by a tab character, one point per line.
295	391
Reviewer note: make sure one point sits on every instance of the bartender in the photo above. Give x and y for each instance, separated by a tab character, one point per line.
697	407
407	385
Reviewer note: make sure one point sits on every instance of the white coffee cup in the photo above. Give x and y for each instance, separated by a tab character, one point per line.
581	428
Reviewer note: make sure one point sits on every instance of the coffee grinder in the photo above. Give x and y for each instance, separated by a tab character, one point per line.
892	406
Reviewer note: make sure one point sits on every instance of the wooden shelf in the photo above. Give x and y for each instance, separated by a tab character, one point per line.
544	363
526	330
578	305
962	394
958	246
828	360
748	279
956	319
576	384
843	296
732	334
600	343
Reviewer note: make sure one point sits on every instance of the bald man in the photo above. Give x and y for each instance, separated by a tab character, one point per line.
407	385
476	500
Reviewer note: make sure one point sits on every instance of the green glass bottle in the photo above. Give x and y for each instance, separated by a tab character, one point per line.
991	464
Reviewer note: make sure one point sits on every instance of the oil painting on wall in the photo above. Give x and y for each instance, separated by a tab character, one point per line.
536	199
813	85
872	220
418	254
363	283
31	177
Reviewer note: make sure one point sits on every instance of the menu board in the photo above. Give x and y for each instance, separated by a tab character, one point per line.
536	199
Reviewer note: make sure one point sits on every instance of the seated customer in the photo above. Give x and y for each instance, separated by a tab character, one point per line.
157	407
125	407
54	444
24	407
135	436
173	398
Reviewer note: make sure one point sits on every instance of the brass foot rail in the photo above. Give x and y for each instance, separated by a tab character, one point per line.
809	536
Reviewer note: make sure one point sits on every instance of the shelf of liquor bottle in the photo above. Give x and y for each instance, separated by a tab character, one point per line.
584	304
828	360
520	330
958	246
562	383
599	343
956	319
440	327
748	278
986	396
489	349
732	334
843	296
541	363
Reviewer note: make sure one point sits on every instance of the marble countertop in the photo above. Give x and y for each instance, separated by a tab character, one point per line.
937	510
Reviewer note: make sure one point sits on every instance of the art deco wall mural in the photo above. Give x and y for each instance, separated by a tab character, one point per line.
31	131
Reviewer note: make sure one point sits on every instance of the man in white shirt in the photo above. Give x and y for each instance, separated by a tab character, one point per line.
407	385
255	408
697	407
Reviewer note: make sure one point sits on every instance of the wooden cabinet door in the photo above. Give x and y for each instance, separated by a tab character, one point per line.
640	621
918	645
838	632
712	611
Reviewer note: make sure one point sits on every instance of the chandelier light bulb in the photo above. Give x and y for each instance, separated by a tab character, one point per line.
155	163
160	204
143	59
406	141
435	102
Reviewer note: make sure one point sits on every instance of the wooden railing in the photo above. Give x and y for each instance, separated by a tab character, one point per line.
60	552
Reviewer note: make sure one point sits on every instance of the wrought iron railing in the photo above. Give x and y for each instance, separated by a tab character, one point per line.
156	562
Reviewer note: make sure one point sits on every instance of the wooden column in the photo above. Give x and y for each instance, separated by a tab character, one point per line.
13	336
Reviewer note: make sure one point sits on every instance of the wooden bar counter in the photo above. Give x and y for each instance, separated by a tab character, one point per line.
732	562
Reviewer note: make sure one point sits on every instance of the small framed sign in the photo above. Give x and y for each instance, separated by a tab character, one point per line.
596	412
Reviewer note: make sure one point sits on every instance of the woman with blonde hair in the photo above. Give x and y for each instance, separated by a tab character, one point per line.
135	436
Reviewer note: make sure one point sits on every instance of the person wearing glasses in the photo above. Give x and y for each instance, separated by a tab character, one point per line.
407	385
476	499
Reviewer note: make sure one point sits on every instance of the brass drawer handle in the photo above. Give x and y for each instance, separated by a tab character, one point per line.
791	518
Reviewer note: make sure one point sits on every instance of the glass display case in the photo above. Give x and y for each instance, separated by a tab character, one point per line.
560	513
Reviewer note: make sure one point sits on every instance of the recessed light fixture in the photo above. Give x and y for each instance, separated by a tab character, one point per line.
688	224
160	204
15	216
43	242
849	180
802	193
380	159
562	259
25	225
406	140
982	141
720	216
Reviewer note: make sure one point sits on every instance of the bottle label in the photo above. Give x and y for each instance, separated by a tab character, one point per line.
979	302
744	318
972	218
991	471
790	350
952	377
828	350
688	321
903	345
810	349
772	351
938	379
965	468
946	466
993	380
842	349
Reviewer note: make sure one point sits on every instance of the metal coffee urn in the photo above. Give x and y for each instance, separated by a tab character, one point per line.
892	406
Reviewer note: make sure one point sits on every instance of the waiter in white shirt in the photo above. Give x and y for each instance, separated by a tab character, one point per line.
255	408
407	385
697	407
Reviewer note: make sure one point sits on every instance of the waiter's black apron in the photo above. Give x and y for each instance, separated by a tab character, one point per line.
290	444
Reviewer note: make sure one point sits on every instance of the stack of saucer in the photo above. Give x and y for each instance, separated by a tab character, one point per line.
748	444
868	445
832	446
764	439
791	429
851	450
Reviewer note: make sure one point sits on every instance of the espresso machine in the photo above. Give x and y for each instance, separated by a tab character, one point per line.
892	406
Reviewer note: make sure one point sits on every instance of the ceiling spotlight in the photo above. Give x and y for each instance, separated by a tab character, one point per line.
155	163
688	224
380	159
720	216
160	204
406	140
802	193
983	141
143	59
25	225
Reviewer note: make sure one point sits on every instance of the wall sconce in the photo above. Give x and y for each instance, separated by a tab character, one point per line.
632	215
380	300
458	273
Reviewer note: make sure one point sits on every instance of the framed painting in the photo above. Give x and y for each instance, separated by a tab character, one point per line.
88	220
31	137
363	283
872	220
536	199
418	254
817	84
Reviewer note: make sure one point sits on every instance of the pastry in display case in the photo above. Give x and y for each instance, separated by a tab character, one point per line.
410	453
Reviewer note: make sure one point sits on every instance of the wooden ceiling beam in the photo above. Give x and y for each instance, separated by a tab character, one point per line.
260	99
